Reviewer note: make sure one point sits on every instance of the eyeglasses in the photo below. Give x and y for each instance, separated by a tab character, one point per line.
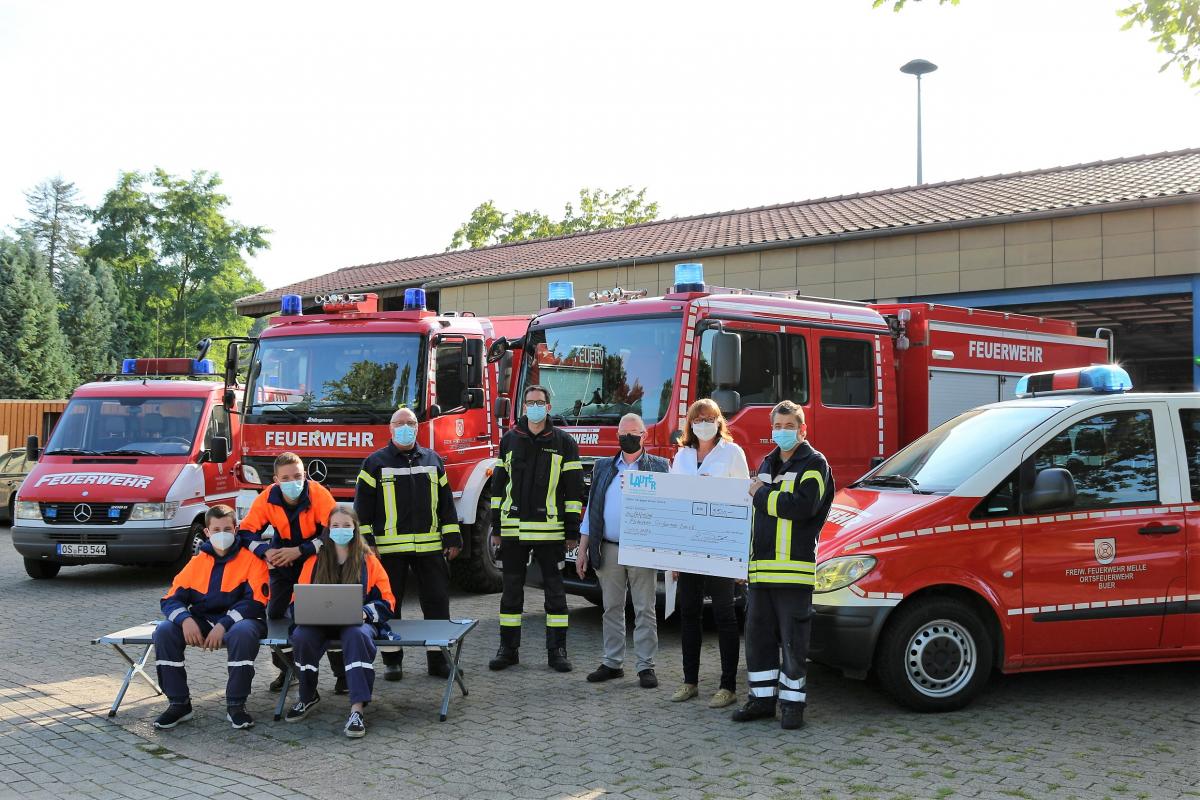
704	419
536	403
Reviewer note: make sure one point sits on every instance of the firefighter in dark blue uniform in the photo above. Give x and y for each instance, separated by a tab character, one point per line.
792	494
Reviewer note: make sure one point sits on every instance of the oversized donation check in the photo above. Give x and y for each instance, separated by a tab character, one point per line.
687	523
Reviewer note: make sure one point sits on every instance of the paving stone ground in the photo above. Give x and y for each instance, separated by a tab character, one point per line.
527	733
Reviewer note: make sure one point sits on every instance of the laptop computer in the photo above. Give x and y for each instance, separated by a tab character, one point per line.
329	604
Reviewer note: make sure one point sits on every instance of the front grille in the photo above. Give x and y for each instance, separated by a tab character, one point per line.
85	513
340	473
82	538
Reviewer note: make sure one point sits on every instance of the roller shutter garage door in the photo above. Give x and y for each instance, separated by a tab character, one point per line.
951	393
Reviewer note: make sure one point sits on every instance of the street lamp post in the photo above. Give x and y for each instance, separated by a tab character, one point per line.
918	67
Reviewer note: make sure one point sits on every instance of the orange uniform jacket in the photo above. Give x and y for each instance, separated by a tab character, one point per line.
378	600
300	525
221	589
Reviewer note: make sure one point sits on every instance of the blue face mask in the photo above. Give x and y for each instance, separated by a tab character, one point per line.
404	436
535	414
291	489
784	439
341	536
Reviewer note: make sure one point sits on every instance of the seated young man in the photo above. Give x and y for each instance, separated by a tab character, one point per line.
218	599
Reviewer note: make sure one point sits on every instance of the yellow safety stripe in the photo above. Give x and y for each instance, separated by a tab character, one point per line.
526	536
366	478
409	547
444	481
451	528
496	503
366	529
510	620
784	565
574	506
773	503
389	506
506	504
796	579
816	476
783	529
556	620
433	502
556	465
570	465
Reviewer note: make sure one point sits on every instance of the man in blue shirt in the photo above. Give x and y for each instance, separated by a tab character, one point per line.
599	535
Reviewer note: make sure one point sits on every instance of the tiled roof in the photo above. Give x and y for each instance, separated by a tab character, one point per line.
954	203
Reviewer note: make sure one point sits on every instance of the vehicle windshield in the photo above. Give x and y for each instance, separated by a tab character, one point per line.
952	452
598	371
146	426
351	374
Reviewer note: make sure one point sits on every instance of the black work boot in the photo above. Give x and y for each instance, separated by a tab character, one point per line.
505	658
556	657
393	670
755	708
438	666
791	716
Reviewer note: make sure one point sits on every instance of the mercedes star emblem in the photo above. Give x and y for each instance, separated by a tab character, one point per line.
317	470
83	512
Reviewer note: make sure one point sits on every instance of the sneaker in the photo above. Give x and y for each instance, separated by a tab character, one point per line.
238	717
791	716
755	708
175	714
505	657
648	679
301	709
722	698
604	673
685	692
277	684
339	685
355	727
556	657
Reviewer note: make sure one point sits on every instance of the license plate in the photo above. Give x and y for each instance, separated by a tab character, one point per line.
572	553
83	550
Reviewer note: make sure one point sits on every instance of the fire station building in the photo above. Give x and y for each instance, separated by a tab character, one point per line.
1111	244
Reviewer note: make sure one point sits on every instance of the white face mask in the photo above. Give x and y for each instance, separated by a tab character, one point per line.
221	540
705	431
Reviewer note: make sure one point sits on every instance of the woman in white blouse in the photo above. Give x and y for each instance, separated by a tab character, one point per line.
707	448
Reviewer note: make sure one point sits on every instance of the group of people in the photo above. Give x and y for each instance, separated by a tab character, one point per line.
403	522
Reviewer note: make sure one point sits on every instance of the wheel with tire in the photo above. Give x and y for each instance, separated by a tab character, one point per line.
479	573
191	545
935	655
38	569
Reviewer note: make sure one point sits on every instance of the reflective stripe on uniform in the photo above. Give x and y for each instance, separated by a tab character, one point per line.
366	478
791	683
787	695
573	507
366	529
239	663
799	573
556	465
556	620
158	663
570	465
389	472
510	620
763	691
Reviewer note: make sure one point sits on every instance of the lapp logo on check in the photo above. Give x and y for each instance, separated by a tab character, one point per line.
643	482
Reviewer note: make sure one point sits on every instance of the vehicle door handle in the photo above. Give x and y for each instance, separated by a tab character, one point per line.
1156	530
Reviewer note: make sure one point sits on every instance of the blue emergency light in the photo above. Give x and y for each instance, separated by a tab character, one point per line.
1097	379
562	295
129	366
688	278
203	366
51	511
414	299
292	305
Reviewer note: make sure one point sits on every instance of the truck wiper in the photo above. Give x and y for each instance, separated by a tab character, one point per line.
128	453
286	408
70	451
892	480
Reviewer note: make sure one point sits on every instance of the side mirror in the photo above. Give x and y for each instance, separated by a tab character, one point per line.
727	359
475	358
435	411
1053	488
728	400
472	398
32	450
229	399
496	350
501	407
202	347
218	451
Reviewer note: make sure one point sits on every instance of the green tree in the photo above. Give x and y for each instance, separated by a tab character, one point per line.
365	383
34	362
1174	25
598	210
57	224
180	261
87	321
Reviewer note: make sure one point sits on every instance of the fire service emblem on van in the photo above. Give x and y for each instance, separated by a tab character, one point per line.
317	470
1106	550
459	428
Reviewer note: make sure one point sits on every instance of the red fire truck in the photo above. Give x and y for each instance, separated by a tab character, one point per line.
871	378
130	469
325	385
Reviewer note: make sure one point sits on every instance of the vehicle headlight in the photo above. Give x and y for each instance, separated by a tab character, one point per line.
27	509
250	474
148	511
838	573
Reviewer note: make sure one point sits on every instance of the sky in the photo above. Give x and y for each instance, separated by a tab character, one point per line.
361	132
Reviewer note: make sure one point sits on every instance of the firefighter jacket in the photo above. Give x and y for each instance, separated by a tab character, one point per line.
300	525
220	589
788	514
378	601
537	486
404	502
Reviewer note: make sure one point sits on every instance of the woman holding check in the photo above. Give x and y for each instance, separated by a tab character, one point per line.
707	448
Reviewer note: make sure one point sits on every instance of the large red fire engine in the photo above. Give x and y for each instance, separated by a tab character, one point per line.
871	378
130	469
325	385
